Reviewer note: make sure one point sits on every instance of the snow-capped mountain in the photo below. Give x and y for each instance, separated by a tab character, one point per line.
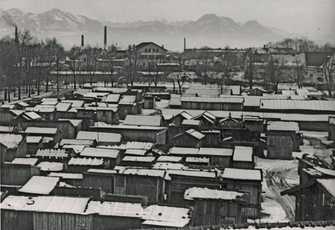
210	30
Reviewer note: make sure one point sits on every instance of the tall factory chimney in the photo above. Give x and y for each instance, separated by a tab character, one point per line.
82	41
16	34
105	37
184	44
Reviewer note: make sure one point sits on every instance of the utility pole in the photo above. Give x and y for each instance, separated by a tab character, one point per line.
57	76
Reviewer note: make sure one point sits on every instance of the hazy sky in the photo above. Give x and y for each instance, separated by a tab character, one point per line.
301	16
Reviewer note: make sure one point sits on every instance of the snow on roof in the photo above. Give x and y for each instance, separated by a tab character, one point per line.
242	174
307	105
33	139
41	185
44	109
332	120
121	209
112	98
111	90
6	129
63	107
215	152
85	161
230	100
197	160
329	172
75	103
196	134
166	158
137	152
243	153
328	184
143	120
49	101
139	158
10	141
283	126
211	194
127	100
40	130
99	136
166	216
51	204
72	176
190	122
25	161
145	172
83	142
139	145
185	115
183	151
50	166
169	165
56	153
31	116
100	152
142	127
175	100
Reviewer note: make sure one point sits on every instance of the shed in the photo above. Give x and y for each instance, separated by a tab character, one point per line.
282	139
155	120
214	207
243	157
248	181
110	156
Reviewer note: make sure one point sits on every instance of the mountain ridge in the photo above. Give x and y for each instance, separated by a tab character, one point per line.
209	29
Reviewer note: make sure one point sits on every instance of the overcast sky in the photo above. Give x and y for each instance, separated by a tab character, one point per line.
301	16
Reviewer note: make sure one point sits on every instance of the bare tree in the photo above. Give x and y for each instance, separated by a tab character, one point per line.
328	70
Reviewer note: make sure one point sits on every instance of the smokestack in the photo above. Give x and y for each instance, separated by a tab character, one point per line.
184	44
82	41
16	34
105	37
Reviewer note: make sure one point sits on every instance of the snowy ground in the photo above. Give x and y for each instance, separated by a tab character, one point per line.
282	174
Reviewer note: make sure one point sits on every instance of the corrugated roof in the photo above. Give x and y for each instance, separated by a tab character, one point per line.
42	185
139	158
100	152
56	153
85	161
210	194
